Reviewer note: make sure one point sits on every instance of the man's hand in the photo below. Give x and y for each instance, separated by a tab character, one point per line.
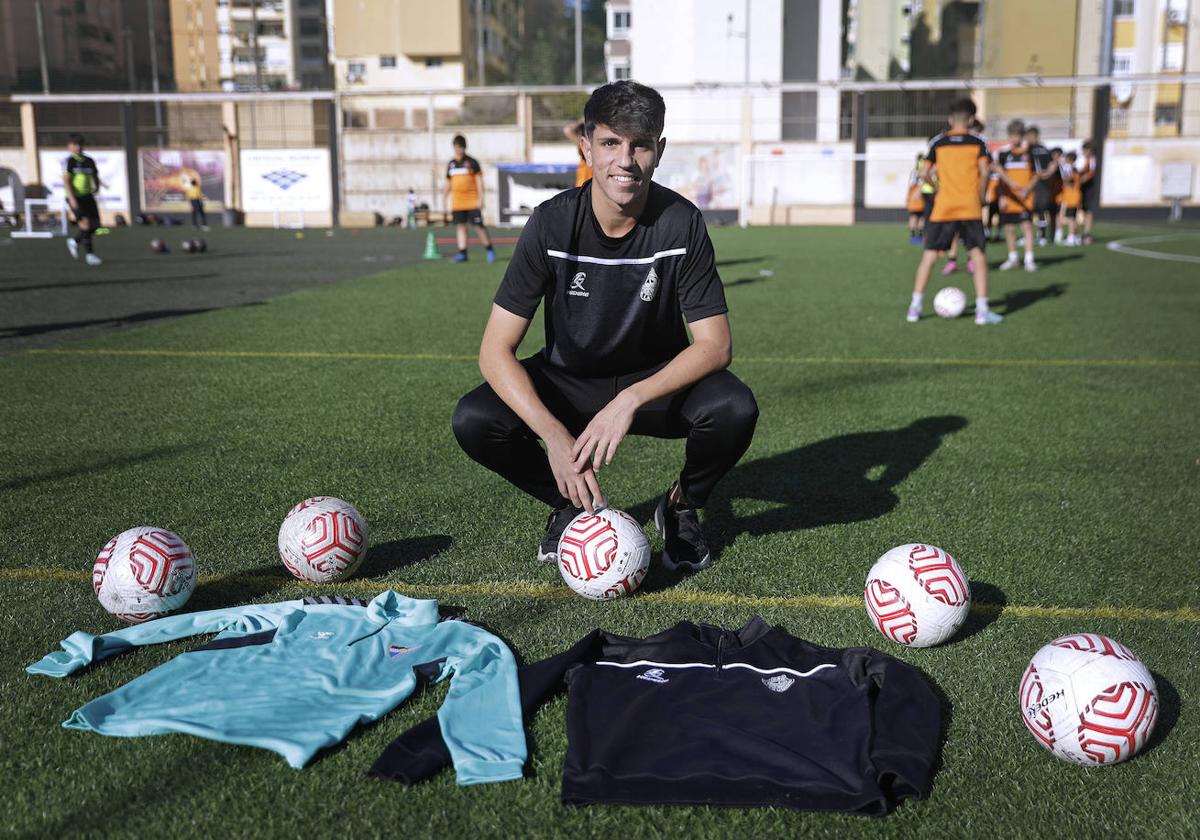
604	434
578	485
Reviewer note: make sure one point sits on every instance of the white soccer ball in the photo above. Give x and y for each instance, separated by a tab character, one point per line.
1089	700
323	539
917	595
603	555
144	573
949	302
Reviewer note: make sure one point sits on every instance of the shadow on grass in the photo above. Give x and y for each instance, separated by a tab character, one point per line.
240	588
1022	298
388	557
987	605
99	467
947	710
746	281
742	261
27	330
5	289
1169	706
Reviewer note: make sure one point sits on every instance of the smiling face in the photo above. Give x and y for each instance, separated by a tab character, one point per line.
622	165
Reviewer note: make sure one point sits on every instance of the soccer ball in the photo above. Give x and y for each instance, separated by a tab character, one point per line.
188	245
323	539
603	555
949	302
1089	700
158	246
144	573
917	595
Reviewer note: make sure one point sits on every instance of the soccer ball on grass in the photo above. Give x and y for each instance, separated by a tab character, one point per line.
323	539
917	595
949	302
1089	700
603	555
144	573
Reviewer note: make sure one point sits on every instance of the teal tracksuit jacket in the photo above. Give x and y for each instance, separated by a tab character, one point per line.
297	676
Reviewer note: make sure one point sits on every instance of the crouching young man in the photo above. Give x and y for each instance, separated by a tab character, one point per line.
621	263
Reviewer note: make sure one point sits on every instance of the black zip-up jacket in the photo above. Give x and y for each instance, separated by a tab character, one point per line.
700	715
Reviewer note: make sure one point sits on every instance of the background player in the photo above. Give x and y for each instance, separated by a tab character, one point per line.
1042	188
1071	198
1017	182
625	268
464	196
916	202
1089	182
195	197
81	182
959	160
583	171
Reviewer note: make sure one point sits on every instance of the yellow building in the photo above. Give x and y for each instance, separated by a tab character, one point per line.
194	45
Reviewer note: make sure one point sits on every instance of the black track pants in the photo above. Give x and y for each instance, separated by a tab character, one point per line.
717	416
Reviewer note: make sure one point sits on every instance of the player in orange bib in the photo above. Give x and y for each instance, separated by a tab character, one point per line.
916	203
583	170
1072	197
464	196
1020	178
959	160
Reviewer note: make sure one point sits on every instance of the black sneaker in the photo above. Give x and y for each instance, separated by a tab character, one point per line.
684	546
556	523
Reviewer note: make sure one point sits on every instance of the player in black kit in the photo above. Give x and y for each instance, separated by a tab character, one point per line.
621	263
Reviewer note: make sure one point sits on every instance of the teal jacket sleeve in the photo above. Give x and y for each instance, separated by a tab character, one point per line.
82	649
481	717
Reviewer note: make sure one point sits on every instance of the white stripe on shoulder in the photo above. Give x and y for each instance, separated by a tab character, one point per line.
563	255
644	662
807	673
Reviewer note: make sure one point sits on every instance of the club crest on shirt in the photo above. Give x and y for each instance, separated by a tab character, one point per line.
779	683
650	287
398	650
577	288
322	635
654	675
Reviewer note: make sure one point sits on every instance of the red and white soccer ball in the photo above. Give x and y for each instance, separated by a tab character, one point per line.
323	539
603	555
1089	700
144	573
949	302
917	595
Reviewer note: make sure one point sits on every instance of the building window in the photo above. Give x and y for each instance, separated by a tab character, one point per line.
312	51
620	25
311	26
618	70
433	61
1125	8
1171	56
1122	62
1119	119
356	71
1166	114
387	61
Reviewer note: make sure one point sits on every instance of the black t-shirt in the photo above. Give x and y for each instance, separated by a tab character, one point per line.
1041	157
613	306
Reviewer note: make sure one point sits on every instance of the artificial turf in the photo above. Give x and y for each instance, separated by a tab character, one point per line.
1056	456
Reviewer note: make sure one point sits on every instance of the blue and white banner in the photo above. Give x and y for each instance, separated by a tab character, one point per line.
285	180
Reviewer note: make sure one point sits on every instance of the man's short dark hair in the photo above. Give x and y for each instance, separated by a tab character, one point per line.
1016	127
75	137
1087	145
1033	129
626	107
1057	150
1071	156
459	140
963	109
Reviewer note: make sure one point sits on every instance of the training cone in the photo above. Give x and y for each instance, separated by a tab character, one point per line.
431	251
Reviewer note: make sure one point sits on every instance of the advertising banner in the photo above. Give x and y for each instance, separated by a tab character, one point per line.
705	174
167	172
114	185
286	180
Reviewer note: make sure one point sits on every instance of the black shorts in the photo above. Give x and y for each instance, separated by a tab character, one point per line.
1091	197
467	217
1014	218
1043	199
85	208
939	235
928	199
1071	211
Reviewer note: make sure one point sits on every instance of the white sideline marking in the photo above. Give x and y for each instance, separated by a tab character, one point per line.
1121	246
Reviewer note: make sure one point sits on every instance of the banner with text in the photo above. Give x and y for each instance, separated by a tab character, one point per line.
113	195
167	174
285	179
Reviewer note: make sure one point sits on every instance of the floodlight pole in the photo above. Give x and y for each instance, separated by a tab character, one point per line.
41	32
479	41
154	70
578	42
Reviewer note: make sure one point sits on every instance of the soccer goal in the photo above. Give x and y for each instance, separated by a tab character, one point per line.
292	220
42	224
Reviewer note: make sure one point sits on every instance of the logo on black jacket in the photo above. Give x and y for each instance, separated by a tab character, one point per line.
577	286
655	675
779	683
650	287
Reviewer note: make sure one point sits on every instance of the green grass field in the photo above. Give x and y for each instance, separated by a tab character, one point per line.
1056	456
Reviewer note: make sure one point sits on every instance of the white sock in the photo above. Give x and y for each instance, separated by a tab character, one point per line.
1012	256
981	306
917	299
1028	255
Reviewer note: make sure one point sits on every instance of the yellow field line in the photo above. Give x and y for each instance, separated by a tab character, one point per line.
770	360
676	597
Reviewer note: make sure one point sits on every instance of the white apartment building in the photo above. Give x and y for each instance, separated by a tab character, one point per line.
680	42
290	38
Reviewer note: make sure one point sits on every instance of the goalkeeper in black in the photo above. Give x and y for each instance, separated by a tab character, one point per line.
621	263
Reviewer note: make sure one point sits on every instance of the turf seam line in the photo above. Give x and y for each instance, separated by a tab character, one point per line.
549	592
777	360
